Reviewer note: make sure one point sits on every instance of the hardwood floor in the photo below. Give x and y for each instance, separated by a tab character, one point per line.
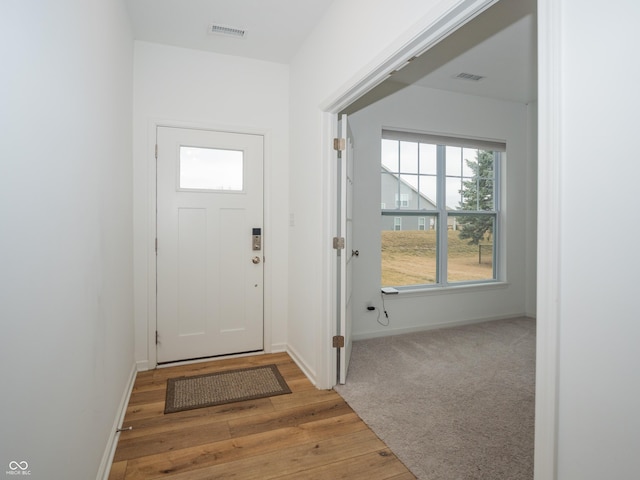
308	434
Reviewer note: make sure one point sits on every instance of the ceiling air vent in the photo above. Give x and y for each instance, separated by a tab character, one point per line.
469	76
226	30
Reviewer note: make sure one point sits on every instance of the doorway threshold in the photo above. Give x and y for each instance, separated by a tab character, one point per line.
191	361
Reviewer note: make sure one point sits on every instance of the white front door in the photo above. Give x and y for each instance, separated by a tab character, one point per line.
209	252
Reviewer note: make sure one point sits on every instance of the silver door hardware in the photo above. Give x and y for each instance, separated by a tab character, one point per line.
257	239
256	260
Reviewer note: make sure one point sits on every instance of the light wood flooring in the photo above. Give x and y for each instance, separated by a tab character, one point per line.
308	434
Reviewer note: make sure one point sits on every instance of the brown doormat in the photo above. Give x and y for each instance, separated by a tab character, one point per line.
187	393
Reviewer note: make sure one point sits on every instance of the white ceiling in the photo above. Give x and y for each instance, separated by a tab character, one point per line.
499	44
275	28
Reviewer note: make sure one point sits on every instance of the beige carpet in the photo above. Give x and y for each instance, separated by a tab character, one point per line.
452	404
187	393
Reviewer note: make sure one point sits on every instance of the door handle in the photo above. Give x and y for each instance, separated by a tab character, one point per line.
256	260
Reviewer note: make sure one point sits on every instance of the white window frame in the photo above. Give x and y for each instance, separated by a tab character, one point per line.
397	224
442	214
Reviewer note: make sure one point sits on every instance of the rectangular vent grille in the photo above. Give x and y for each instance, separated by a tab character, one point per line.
226	31
469	76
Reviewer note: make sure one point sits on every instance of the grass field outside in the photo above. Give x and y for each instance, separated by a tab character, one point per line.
409	258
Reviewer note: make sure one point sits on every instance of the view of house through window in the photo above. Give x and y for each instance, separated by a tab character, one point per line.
442	226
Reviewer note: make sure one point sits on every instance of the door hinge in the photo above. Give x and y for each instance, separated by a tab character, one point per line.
157	338
156	151
156	246
338	243
338	341
339	144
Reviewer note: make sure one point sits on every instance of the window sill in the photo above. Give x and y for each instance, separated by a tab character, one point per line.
449	289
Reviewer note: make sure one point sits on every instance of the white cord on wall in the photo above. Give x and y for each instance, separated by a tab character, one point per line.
386	314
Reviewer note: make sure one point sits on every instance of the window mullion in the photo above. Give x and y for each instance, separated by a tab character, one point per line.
497	194
478	181
399	200
419	200
442	215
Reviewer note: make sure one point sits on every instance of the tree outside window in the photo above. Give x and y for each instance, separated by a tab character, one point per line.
477	194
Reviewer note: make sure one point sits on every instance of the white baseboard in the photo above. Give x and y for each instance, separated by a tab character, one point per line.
107	458
435	326
143	365
310	374
278	347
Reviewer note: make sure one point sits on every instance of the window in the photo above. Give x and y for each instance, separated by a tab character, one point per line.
402	200
210	169
444	226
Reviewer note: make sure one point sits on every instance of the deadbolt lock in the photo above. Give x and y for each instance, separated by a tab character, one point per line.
256	239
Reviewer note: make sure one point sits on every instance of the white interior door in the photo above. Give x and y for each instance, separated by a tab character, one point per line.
347	254
209	252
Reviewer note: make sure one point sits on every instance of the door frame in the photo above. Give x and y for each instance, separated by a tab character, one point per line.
400	54
267	237
549	162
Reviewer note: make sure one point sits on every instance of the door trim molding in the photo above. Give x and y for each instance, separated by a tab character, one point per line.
151	296
417	41
549	235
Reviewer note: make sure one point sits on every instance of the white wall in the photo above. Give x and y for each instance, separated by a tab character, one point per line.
194	88
599	316
437	111
349	42
66	303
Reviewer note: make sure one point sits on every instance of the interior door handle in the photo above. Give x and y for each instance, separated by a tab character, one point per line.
256	260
